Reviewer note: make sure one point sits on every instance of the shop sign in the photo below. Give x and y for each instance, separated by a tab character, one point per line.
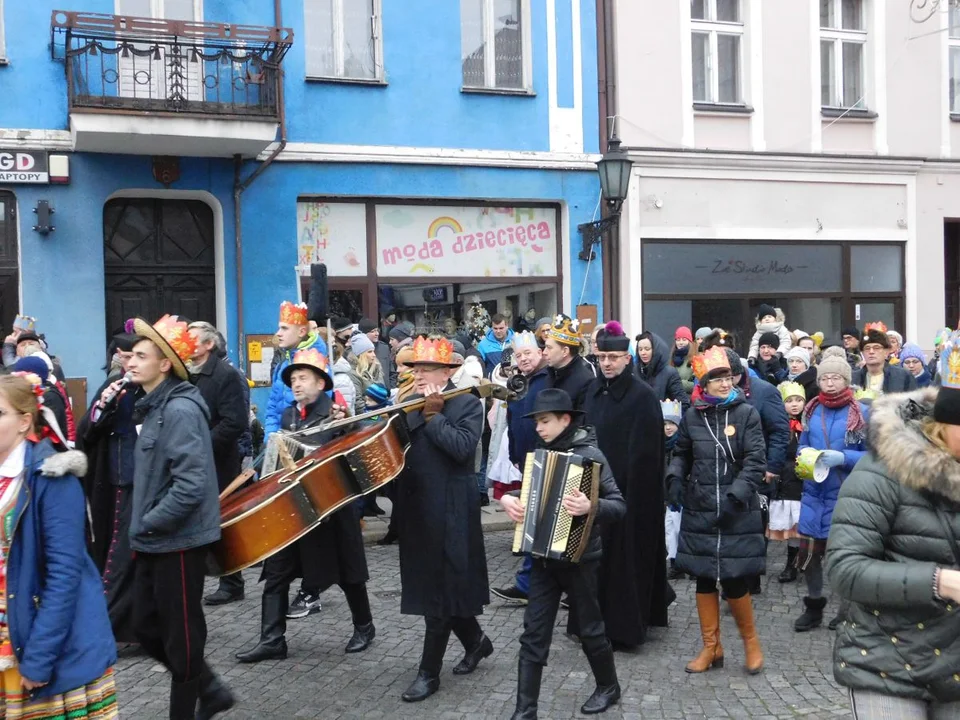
18	166
334	234
466	241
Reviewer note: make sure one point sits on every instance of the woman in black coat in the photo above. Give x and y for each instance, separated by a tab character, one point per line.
718	465
443	566
653	367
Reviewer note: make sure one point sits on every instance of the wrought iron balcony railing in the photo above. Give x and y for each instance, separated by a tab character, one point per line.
133	64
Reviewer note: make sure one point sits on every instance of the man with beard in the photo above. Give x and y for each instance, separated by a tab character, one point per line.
569	371
628	420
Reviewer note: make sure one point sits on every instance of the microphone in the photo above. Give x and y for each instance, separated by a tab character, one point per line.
115	398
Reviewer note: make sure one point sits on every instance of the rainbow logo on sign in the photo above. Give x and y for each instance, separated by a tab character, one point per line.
444	222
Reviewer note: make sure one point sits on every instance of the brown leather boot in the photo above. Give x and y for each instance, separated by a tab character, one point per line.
708	608
742	609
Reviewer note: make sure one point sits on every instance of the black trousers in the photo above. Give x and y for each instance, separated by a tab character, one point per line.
734	588
168	612
438	629
548	581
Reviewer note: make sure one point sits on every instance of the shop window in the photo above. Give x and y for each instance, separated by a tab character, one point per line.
343	39
876	268
843	37
495	44
717	34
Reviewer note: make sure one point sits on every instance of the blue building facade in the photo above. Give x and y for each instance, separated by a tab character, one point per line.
433	154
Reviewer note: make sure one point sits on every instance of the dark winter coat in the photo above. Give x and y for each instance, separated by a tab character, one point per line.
175	497
575	378
222	390
895	379
659	375
885	543
522	435
443	566
790	487
56	611
773	419
385	358
281	396
774	371
808	378
819	499
632	586
715	477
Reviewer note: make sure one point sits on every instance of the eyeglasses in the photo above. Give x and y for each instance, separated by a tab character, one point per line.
831	379
725	380
610	357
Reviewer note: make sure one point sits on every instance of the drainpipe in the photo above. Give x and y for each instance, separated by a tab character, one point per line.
239	187
609	108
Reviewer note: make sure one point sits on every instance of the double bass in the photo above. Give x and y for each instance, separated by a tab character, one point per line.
267	516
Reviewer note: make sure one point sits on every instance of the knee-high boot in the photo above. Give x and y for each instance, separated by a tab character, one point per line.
183	699
742	609
708	609
273	626
529	675
427	681
608	689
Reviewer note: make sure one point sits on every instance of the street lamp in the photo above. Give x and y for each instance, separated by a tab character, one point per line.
614	170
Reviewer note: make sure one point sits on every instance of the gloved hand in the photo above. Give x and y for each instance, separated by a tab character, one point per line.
832	458
730	507
675	495
433	404
673	508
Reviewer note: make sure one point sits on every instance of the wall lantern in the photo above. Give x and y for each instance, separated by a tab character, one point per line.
614	169
44	212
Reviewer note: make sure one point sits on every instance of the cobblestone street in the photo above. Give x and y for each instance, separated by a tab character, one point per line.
319	681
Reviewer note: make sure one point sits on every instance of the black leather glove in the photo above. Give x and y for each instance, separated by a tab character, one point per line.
730	507
675	493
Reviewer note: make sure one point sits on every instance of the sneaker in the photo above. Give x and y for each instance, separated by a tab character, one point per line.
304	604
511	594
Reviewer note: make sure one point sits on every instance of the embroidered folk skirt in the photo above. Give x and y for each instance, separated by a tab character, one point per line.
96	701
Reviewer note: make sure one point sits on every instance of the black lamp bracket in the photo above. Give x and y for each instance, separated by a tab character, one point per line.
592	233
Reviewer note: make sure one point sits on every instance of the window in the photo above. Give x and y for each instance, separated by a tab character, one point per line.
717	38
954	40
842	40
3	37
343	39
494	44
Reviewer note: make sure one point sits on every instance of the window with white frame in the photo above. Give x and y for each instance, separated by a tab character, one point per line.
495	44
3	35
843	39
954	40
343	39
717	37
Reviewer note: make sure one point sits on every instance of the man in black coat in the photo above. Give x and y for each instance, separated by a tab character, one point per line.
569	371
443	566
877	374
222	389
628	420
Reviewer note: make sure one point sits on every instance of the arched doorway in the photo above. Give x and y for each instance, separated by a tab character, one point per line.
159	257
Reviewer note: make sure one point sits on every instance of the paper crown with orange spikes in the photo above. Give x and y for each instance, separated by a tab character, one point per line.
310	358
710	362
291	314
875	333
435	351
565	330
172	336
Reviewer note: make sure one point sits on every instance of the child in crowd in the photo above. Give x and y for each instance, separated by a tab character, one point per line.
672	415
785	509
770	320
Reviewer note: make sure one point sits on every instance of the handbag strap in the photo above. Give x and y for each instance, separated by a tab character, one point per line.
948	531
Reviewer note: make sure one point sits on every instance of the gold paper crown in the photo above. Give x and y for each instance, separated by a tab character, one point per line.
437	351
291	314
565	330
713	359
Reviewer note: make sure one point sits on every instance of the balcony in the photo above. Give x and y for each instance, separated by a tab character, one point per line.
167	87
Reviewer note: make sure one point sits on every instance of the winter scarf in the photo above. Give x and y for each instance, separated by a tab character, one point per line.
562	442
680	356
669	442
796	426
702	400
856	425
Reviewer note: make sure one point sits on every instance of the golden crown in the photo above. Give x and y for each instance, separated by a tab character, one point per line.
565	330
713	359
291	314
312	357
174	330
437	351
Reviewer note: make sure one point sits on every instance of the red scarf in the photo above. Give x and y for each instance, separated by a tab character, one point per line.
796	426
845	398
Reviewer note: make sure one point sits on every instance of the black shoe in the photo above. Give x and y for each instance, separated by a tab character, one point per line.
607	693
389	539
423	687
484	499
483	649
304	604
603	699
790	573
813	616
511	594
565	602
215	697
363	635
183	699
835	623
269	650
528	690
222	597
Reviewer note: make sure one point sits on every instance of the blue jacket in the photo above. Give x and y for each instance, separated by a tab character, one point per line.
776	425
522	432
491	350
281	396
819	499
56	610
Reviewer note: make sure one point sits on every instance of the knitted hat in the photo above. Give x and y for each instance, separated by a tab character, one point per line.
360	343
946	409
672	411
404	356
544	321
366	325
400	333
911	350
800	353
736	364
33	364
341	324
25	336
769	338
852	331
834	360
791	389
703	332
765	310
683	332
377	396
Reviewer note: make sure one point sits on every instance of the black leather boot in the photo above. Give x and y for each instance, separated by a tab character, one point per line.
607	693
215	696
813	616
183	699
789	573
427	681
482	649
273	626
528	690
362	637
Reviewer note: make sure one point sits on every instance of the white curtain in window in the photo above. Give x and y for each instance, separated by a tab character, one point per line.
319	40
472	46
358	50
508	44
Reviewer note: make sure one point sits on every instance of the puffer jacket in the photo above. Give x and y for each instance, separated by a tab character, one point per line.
684	370
720	456
659	375
885	544
826	429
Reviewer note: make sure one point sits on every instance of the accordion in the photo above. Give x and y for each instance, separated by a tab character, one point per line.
548	530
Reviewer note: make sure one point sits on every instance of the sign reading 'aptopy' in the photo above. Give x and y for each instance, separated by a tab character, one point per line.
18	166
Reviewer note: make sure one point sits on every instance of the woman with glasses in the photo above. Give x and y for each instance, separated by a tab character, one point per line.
834	423
914	361
718	465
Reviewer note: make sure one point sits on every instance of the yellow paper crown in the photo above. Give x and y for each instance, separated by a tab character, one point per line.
437	351
291	314
713	359
565	330
311	357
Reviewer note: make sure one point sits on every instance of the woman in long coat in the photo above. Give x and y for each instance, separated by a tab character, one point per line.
718	465
653	367
443	566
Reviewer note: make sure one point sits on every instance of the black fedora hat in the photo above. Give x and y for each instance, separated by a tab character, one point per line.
553	400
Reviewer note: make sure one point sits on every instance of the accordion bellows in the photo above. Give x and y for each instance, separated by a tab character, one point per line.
548	530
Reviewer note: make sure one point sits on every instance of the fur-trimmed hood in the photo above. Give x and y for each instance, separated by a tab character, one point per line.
71	462
774	326
910	458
